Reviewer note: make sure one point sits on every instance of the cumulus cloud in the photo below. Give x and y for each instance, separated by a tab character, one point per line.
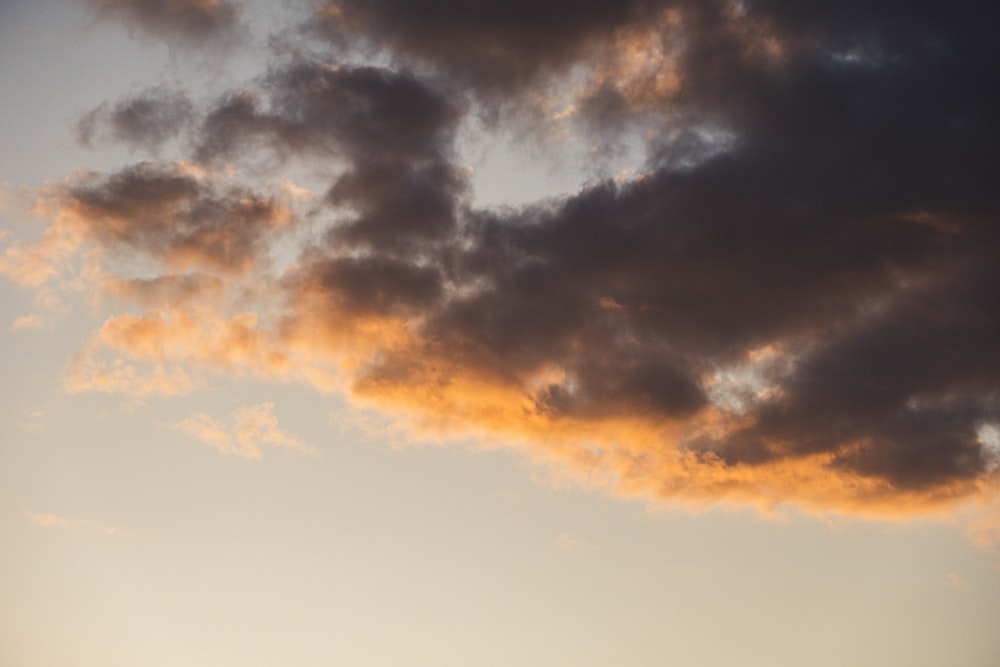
795	300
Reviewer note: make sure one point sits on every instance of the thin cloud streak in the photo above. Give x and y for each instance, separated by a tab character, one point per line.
27	322
249	428
49	520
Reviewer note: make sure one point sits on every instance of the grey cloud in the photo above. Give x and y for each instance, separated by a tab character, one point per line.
497	45
147	120
392	133
201	22
848	223
333	111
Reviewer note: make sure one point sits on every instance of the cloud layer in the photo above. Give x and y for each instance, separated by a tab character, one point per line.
795	300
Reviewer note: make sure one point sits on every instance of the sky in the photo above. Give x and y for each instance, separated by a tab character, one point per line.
384	332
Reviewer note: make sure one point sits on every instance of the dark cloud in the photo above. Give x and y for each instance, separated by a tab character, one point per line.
495	44
332	111
392	133
909	386
188	21
849	221
147	120
801	285
176	213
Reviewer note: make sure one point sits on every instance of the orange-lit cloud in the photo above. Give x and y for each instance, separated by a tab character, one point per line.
794	304
569	542
35	264
985	531
249	427
27	322
118	376
175	214
48	520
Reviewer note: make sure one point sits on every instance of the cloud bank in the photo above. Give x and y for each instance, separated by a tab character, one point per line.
795	300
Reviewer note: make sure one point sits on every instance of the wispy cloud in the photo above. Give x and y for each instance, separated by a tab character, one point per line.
247	430
48	520
569	542
89	374
31	421
27	322
985	531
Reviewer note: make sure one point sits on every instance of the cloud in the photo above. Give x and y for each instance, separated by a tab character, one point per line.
175	289
313	106
568	542
37	263
48	520
171	213
190	22
592	59
248	429
985	531
255	425
117	376
804	234
148	119
168	350
215	434
27	322
32	421
495	45
792	301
